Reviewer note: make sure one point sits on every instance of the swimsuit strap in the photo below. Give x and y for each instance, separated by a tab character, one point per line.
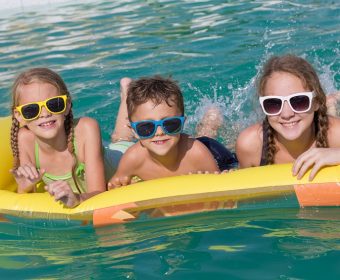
36	154
80	166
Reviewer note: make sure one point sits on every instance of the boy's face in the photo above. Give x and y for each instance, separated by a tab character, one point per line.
161	143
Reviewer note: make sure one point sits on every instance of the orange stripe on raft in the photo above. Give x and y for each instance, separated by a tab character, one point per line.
112	215
322	194
3	219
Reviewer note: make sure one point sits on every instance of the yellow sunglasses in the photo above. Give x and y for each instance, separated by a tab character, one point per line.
54	105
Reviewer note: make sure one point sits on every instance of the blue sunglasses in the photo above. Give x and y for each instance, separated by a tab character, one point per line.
147	129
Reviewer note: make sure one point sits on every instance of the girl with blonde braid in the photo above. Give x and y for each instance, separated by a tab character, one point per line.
49	145
296	128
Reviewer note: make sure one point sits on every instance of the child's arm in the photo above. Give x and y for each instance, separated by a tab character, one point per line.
93	157
202	159
128	163
26	175
249	146
316	158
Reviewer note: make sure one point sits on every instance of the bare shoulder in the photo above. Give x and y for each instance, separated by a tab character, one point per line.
87	124
192	147
197	155
334	131
134	156
250	137
26	140
87	131
249	145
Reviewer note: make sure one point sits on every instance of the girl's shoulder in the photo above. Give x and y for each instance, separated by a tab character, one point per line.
250	137
26	142
334	131
85	124
249	146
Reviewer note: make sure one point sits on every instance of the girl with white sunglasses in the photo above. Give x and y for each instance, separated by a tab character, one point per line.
296	127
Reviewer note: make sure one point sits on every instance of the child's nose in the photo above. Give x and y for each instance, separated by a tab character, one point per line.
44	112
287	112
159	130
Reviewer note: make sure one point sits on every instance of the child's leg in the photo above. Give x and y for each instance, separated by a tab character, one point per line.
207	130
121	130
210	123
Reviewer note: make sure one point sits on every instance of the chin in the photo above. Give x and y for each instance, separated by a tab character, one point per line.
161	152
290	135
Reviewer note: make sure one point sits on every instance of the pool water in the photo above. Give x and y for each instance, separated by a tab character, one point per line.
214	49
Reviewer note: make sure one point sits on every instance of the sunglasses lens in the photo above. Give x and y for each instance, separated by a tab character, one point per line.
30	111
145	129
300	103
272	105
172	126
56	105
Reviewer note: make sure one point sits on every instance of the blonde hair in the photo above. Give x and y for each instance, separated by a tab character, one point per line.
44	75
300	68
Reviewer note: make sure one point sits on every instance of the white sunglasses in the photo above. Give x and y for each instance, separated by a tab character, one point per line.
300	102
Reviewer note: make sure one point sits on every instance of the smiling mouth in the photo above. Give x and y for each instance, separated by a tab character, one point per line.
160	142
47	124
290	124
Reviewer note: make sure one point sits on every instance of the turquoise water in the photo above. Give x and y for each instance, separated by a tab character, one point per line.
214	49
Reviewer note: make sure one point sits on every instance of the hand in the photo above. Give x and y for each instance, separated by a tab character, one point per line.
63	192
316	158
203	172
117	182
27	176
228	170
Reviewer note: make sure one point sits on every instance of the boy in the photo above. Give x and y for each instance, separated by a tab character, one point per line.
155	110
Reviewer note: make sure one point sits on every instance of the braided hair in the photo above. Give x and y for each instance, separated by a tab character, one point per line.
300	68
43	75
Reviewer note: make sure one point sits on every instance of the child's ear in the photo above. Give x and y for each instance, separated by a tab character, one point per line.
18	117
68	108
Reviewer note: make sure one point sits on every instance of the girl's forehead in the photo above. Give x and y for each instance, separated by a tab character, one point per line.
35	91
283	83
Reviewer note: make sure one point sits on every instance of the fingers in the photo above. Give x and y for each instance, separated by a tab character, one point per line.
117	182
315	170
304	162
61	191
27	171
315	159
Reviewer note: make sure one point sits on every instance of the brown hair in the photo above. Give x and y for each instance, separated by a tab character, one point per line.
300	68
157	89
44	75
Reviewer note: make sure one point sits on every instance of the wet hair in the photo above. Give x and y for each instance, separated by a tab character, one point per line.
157	89
301	69
41	75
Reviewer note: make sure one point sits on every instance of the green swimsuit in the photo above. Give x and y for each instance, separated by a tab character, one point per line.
79	173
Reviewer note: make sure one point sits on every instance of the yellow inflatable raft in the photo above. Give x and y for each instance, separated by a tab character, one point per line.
269	186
